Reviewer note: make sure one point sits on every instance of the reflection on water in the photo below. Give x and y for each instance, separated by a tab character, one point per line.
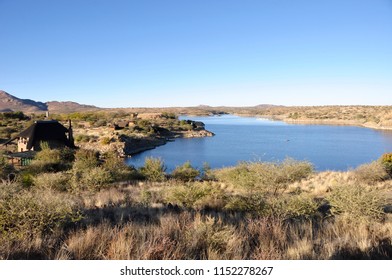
243	139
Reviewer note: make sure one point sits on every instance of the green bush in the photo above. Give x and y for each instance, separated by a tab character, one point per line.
251	203
185	172
371	173
153	169
356	202
169	115
5	169
105	140
196	195
26	179
239	176
118	169
52	181
146	197
25	213
83	138
13	115
265	177
113	162
293	206
386	161
85	159
93	179
51	160
206	172
100	122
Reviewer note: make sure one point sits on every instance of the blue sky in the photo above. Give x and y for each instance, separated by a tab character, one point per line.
153	53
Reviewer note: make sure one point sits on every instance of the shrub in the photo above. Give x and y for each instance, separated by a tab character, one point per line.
169	115
117	167
210	238
266	177
92	180
386	161
85	159
239	176
5	169
293	206
251	203
105	140
25	213
206	172
51	160
100	122
185	172
145	197
26	179
371	173
153	169
113	161
356	202
18	115
52	181
195	195
84	138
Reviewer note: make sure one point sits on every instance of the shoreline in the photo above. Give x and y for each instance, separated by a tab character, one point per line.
318	121
136	146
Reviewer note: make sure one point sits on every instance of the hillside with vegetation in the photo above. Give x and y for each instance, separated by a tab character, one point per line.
122	132
378	117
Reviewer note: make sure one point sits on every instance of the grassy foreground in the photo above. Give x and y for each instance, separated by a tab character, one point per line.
86	206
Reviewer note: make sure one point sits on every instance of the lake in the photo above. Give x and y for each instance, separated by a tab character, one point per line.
251	139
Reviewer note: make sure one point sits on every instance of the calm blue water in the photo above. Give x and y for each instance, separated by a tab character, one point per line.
248	139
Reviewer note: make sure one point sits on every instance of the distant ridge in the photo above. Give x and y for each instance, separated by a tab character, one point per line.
267	106
68	106
9	103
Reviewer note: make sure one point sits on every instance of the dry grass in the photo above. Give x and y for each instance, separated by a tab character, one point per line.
371	173
328	215
210	236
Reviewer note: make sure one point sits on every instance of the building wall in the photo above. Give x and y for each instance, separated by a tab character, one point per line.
22	144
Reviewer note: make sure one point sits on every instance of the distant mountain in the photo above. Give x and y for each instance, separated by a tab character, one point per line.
9	102
267	106
68	107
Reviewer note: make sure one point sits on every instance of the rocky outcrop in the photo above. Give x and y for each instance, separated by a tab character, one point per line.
196	134
133	145
137	145
128	145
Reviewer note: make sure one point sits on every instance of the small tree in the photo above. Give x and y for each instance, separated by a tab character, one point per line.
185	172
85	159
52	160
5	169
386	161
154	169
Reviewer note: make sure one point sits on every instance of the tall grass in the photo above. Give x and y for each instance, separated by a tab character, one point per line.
251	211
266	177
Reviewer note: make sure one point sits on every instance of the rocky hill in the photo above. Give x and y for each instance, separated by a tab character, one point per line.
9	102
68	107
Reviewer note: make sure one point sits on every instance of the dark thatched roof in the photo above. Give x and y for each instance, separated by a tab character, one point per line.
44	131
